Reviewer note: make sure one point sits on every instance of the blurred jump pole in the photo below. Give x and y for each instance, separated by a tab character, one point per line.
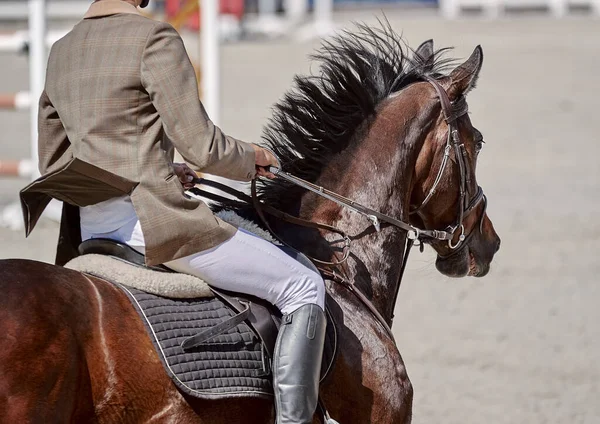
322	23
38	55
209	42
295	10
323	16
62	9
266	8
37	66
18	42
451	9
11	215
559	8
210	64
494	9
268	23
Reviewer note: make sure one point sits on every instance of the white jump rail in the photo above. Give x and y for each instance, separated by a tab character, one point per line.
37	68
17	168
15	101
63	9
18	41
294	21
209	42
37	38
452	9
320	26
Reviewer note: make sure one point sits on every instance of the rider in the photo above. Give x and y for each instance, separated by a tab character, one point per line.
120	95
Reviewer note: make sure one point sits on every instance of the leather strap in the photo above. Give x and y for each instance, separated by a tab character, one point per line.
298	221
260	317
374	216
261	208
444	101
409	244
221	328
361	297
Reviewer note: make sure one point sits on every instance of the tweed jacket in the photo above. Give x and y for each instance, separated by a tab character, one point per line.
120	95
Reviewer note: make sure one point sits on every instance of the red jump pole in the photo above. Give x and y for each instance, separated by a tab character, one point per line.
15	101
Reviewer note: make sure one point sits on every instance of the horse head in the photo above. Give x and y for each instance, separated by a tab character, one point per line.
389	130
445	168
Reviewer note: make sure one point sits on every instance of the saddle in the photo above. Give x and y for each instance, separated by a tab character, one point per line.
216	346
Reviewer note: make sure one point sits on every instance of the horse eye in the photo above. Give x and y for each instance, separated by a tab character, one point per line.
479	146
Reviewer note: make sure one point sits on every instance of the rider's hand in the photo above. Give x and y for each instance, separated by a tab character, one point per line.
264	158
185	174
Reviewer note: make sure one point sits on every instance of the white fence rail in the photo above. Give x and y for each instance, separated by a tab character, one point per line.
19	41
494	8
15	101
56	9
36	40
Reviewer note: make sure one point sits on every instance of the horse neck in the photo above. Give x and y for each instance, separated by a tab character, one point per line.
377	173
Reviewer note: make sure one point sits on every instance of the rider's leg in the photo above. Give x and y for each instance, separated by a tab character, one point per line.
297	365
249	264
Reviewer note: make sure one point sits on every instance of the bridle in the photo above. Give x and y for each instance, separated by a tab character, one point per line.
466	205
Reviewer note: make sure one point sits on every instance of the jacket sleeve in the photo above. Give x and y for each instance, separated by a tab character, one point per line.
54	147
169	78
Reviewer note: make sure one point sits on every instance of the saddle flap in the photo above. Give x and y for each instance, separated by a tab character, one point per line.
263	317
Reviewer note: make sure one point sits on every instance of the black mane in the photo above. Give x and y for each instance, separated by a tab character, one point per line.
318	117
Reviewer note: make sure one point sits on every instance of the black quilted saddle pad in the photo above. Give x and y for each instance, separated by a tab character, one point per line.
232	364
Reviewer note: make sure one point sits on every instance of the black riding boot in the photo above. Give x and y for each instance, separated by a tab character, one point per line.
297	365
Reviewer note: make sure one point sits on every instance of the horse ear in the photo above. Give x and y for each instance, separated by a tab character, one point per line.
425	55
464	78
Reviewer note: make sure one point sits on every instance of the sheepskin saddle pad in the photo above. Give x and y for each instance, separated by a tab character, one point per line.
213	344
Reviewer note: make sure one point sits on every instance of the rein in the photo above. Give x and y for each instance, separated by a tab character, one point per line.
261	208
413	233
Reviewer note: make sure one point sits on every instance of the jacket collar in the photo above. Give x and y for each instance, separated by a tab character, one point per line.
110	7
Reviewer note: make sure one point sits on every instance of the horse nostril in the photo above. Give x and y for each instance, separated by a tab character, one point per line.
497	245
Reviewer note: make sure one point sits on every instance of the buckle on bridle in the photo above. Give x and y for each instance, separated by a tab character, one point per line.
375	221
461	238
347	241
413	234
441	235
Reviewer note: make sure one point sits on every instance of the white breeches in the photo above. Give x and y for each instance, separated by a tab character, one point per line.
247	264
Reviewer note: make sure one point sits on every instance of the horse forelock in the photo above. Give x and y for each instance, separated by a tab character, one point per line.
318	118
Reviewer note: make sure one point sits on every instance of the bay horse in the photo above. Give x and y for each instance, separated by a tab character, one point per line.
371	126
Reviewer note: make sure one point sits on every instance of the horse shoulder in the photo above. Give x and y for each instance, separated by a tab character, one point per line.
369	369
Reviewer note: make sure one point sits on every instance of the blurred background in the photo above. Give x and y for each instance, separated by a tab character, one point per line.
521	345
